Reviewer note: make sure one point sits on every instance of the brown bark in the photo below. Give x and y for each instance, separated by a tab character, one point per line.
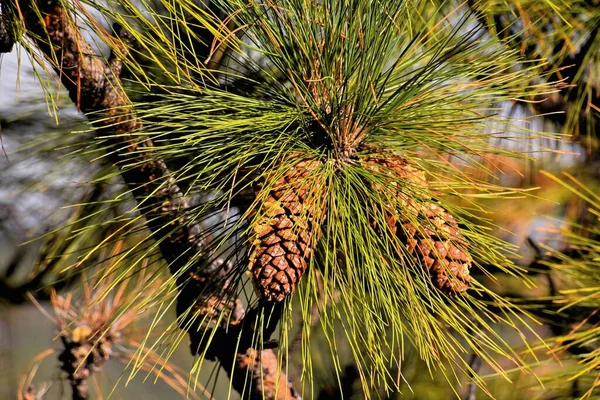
7	30
80	358
94	86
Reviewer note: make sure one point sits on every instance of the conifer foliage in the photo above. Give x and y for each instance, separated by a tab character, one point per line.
318	148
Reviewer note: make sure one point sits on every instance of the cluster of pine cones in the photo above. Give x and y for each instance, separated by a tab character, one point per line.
288	226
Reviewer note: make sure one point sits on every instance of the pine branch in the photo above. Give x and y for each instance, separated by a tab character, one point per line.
7	36
18	294
94	86
475	364
567	104
557	105
79	359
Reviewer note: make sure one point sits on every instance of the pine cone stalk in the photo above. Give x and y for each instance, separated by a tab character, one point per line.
284	231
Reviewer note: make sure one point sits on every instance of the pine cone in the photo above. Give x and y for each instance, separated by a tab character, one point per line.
437	242
283	233
439	246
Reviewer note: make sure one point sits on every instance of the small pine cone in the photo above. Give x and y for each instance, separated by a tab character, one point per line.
437	243
283	233
216	309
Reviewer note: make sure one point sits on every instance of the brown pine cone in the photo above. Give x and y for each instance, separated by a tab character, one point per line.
436	241
283	232
439	246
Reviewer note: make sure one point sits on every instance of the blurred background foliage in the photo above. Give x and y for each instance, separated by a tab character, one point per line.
44	191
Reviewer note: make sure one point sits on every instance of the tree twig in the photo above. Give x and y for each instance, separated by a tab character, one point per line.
475	364
7	33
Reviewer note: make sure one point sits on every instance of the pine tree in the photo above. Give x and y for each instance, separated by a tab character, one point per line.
315	149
